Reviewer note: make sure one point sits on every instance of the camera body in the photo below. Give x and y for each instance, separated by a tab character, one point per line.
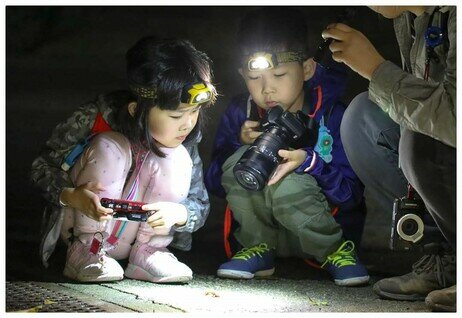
407	230
281	130
128	210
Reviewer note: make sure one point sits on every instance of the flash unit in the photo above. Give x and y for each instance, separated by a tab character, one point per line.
266	60
196	94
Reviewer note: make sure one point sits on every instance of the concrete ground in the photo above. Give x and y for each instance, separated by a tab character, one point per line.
61	57
294	288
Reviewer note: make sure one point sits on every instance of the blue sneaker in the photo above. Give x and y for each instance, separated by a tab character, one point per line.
249	262
345	267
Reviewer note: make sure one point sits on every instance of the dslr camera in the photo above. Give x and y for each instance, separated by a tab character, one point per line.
281	130
407	230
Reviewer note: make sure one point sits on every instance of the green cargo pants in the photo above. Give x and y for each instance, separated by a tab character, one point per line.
292	216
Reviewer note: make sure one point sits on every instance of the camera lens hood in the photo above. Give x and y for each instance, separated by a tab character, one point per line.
410	227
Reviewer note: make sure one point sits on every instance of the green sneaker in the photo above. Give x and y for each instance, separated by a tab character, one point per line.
345	267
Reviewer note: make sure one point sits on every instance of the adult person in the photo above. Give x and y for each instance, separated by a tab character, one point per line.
408	111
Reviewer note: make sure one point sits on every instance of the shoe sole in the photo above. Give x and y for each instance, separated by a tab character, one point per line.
234	274
439	307
386	295
136	272
356	281
71	273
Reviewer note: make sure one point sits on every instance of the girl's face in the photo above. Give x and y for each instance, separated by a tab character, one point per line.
281	85
171	127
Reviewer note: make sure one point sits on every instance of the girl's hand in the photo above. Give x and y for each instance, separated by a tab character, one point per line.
353	48
292	159
249	132
167	214
85	199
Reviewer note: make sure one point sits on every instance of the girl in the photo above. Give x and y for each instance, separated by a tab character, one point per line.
152	158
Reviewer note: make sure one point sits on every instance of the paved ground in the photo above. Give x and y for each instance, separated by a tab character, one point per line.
295	287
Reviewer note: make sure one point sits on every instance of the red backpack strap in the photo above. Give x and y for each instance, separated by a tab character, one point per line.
226	231
100	125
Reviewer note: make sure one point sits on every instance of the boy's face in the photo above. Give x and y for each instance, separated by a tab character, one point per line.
280	85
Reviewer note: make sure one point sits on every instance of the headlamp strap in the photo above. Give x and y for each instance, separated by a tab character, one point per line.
285	57
143	91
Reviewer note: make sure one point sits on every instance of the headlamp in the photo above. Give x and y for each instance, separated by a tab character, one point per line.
196	94
265	60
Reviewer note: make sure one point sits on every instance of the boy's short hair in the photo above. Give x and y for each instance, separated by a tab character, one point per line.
273	29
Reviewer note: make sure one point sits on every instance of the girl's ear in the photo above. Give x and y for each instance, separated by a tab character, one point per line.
309	67
132	108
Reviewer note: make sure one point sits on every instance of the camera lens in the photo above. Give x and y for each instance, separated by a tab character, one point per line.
249	179
259	161
409	227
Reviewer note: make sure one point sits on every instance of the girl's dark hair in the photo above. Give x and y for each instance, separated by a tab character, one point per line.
273	29
167	66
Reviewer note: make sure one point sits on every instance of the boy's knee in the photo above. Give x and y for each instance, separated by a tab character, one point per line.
294	185
231	162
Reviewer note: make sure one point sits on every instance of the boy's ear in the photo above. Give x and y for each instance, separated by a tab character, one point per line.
240	71
132	108
309	67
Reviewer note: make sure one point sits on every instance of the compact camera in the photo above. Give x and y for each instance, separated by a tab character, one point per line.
281	130
407	230
128	210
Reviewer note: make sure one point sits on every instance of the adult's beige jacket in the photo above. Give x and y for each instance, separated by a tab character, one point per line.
427	107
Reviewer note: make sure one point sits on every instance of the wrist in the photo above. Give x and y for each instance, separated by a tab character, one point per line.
374	67
183	218
64	197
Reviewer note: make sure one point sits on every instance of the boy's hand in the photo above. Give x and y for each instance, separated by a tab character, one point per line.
166	215
292	159
85	199
353	48
249	132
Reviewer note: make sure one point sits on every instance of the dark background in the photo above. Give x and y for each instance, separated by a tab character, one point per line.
60	57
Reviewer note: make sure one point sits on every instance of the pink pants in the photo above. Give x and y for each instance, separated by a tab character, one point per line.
107	160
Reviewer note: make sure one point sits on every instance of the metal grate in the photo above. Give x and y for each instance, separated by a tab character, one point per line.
25	296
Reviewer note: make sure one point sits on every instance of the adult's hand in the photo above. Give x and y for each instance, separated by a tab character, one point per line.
353	48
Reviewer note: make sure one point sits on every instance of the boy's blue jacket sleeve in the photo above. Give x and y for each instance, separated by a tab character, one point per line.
226	142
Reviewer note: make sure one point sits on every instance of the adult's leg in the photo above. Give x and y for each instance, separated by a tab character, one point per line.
430	167
371	141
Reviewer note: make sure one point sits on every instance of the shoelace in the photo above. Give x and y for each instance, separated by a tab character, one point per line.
247	253
344	255
432	262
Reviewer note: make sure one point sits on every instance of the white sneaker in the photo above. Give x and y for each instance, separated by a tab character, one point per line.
156	265
84	266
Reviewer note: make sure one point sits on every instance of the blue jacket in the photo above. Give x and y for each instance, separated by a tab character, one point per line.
337	180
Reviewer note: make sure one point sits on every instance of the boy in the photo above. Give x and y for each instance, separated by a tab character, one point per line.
291	216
